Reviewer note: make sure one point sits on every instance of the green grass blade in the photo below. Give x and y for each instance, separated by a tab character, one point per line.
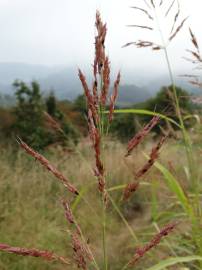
147	112
175	187
173	261
123	219
121	187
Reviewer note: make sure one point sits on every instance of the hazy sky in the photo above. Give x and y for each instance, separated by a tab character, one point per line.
61	32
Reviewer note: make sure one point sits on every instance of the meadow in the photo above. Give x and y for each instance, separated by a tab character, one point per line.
103	204
32	216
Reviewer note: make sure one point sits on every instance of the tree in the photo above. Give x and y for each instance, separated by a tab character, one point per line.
29	115
164	103
52	108
69	132
124	126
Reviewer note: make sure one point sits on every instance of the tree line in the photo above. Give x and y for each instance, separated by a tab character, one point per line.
42	121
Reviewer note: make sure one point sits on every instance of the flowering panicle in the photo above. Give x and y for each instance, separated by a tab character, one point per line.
105	82
52	122
91	100
46	163
195	59
81	250
139	137
140	252
97	98
47	255
152	158
96	140
132	187
114	97
99	45
129	189
150	12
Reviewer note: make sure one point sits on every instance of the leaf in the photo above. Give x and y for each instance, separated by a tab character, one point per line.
173	261
175	188
195	116
147	112
79	197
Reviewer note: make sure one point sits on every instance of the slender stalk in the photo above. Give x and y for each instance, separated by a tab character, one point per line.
188	147
177	105
104	235
123	219
89	250
102	131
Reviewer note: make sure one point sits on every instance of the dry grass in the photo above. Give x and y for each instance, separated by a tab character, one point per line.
31	214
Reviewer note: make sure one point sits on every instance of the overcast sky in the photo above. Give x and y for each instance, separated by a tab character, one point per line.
61	32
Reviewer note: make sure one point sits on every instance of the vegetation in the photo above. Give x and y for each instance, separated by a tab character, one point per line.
144	209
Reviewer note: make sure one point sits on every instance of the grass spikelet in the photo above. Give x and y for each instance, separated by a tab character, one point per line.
52	122
170	7
141	26
129	189
152	158
106	82
140	252
144	11
161	3
89	97
143	44
152	2
175	20
178	29
132	187
139	137
99	44
114	97
47	255
81	250
194	40
96	140
46	163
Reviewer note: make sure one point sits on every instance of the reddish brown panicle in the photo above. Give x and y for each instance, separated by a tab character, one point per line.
47	255
80	248
132	187
90	99
114	97
140	252
106	82
129	189
152	158
46	163
96	139
138	138
52	122
99	44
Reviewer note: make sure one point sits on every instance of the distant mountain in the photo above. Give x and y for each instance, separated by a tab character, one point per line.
63	81
155	85
132	94
66	85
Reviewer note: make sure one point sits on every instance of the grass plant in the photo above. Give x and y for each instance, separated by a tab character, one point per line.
100	234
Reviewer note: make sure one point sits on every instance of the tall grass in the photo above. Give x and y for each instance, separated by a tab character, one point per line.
99	232
190	200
